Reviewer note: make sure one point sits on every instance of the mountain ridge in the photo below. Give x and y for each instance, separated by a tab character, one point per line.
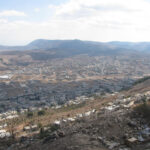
48	44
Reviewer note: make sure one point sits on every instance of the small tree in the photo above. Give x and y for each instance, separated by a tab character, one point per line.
144	108
30	114
41	113
12	123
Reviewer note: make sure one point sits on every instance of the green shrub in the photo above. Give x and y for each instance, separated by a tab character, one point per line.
29	114
54	127
40	125
42	133
144	110
41	113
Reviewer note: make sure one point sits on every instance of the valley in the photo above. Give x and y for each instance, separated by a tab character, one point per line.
55	92
58	80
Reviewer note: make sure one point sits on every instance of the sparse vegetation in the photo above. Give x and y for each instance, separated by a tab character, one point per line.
142	80
41	113
42	133
54	127
144	109
74	106
29	114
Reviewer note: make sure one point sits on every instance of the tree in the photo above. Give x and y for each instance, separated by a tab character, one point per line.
41	113
30	114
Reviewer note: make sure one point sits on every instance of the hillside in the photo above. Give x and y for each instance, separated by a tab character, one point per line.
48	49
142	86
78	45
38	78
109	122
68	95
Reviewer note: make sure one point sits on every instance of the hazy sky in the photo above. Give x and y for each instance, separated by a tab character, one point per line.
22	21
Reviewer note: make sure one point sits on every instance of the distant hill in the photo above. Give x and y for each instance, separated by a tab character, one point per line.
139	46
66	48
50	44
80	45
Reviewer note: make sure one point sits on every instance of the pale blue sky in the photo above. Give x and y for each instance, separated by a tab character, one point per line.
27	4
29	7
22	21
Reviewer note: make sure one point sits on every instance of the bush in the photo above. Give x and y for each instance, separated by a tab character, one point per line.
30	114
41	113
144	110
54	127
42	133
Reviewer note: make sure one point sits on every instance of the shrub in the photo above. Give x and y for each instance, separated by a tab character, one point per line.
30	114
41	113
42	133
144	110
54	127
40	125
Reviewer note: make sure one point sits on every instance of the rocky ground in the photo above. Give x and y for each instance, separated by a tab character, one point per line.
117	126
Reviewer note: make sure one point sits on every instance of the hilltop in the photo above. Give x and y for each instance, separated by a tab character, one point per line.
81	46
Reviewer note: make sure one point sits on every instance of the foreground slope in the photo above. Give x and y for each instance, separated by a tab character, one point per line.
110	122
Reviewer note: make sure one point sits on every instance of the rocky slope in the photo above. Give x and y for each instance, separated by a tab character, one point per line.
116	125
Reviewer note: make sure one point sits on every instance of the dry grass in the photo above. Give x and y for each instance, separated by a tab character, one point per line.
56	114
